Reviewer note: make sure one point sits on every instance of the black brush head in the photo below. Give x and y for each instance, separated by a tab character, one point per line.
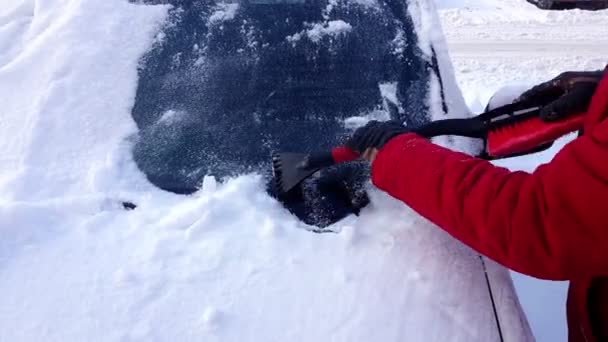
288	172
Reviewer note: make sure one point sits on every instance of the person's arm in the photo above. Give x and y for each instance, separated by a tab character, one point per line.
550	224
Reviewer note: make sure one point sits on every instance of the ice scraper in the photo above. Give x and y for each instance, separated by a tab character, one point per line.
510	130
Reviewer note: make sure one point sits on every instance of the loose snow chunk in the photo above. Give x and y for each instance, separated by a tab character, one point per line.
316	32
389	93
209	185
211	318
223	13
169	116
294	37
349	234
331	28
269	230
355	122
399	43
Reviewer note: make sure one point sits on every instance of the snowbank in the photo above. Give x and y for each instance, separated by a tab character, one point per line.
482	12
494	43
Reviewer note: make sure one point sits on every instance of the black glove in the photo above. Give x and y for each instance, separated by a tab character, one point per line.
374	135
566	94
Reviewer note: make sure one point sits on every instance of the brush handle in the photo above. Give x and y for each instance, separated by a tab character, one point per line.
342	154
467	127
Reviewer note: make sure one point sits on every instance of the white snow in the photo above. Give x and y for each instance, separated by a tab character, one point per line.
228	263
389	93
223	12
332	28
399	43
317	31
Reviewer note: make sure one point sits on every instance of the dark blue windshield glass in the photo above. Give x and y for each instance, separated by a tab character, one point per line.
229	83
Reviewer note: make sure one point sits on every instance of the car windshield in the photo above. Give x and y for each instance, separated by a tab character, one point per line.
231	83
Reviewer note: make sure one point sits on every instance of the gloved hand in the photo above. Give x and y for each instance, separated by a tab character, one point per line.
566	94
367	140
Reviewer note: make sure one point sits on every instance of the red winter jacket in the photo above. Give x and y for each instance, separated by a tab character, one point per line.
551	224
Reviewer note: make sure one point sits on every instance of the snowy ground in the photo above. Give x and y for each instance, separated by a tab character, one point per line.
510	43
75	266
501	42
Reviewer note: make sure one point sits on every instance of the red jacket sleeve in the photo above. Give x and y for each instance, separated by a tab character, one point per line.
550	224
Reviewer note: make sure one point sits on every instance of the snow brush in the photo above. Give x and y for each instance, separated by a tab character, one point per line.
508	131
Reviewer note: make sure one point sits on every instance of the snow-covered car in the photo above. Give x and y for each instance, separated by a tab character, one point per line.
230	83
142	102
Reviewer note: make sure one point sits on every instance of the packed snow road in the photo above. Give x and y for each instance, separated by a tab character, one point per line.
493	43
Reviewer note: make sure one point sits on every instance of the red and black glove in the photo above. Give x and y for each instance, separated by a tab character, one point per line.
374	134
566	94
